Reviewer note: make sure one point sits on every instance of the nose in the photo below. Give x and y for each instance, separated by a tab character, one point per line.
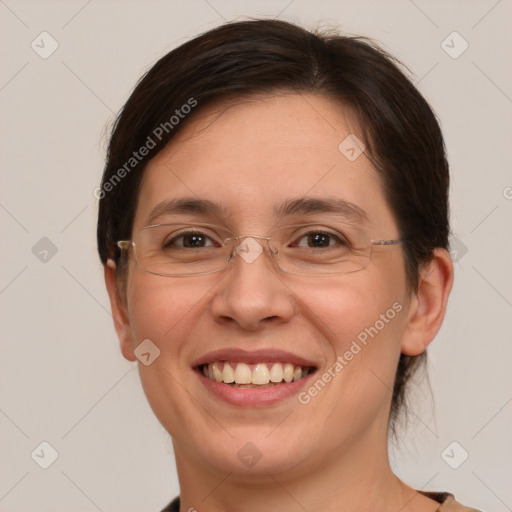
252	294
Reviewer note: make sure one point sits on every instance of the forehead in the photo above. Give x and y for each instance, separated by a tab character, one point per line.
251	154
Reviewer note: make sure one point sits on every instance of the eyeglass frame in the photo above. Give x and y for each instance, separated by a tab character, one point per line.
127	244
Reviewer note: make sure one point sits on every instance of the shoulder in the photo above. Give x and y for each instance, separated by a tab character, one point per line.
174	506
448	502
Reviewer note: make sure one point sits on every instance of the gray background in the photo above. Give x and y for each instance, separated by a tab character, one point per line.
62	377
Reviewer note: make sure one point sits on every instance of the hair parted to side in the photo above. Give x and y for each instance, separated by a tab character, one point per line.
401	134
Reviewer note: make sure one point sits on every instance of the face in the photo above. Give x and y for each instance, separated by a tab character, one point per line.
248	157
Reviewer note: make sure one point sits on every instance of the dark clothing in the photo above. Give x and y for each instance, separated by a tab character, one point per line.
448	503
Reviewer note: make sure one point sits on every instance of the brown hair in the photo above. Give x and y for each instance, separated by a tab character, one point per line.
401	134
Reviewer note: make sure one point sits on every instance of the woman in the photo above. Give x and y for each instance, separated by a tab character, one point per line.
274	228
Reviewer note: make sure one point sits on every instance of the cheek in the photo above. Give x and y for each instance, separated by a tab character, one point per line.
364	333
361	318
167	312
353	306
157	305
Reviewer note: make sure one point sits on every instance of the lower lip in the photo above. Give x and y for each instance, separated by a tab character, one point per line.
253	396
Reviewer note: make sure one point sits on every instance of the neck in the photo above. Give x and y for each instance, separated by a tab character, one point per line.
353	481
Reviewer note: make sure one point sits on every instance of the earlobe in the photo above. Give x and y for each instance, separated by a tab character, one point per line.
428	306
119	312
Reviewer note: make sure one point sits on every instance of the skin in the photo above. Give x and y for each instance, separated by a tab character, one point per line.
330	454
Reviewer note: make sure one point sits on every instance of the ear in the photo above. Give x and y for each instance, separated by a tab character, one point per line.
119	312
428	305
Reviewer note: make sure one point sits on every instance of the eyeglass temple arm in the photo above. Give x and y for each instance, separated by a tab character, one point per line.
387	242
124	244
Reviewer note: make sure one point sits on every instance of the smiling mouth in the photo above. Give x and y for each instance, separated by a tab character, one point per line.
259	375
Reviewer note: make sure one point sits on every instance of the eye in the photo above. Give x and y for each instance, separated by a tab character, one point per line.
188	240
320	239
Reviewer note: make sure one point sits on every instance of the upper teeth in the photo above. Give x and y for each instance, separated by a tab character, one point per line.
241	373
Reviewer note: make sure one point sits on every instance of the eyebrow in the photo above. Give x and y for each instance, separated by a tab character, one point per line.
289	207
190	205
310	205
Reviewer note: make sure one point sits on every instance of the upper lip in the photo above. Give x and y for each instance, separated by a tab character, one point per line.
237	355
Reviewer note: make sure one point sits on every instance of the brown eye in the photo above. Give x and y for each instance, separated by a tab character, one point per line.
320	239
189	240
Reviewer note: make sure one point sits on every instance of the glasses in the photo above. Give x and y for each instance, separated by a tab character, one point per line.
191	249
